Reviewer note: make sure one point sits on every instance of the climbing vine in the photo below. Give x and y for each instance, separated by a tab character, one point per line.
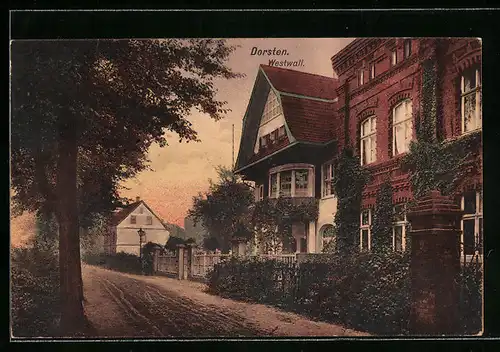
349	181
382	219
272	220
433	163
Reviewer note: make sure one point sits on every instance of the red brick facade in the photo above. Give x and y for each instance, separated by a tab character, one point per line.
391	83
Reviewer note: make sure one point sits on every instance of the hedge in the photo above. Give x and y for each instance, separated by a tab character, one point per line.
367	291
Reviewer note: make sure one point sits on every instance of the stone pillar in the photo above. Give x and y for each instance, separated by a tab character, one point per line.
180	261
435	265
190	259
156	261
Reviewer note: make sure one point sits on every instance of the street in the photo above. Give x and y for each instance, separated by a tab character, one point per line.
132	306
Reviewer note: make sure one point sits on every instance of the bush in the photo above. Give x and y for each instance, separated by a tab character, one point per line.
368	292
124	262
34	292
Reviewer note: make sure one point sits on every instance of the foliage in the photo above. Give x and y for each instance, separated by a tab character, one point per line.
349	181
471	293
272	220
368	291
78	105
210	243
173	242
435	164
176	231
224	207
383	218
34	292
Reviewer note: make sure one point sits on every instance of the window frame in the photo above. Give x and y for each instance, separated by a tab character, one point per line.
370	137
133	219
477	92
361	77
327	180
402	122
399	223
149	220
366	227
407	45
394	57
293	193
372	71
476	216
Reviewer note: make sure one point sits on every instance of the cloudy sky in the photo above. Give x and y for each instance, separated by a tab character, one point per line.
182	170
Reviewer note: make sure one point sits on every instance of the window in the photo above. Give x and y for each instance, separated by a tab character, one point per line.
281	131
273	136
149	220
301	183
407	48
471	100
368	140
399	228
274	186
364	231
133	219
472	223
372	70
259	192
402	130
394	57
327	176
272	108
286	183
262	142
141	210
361	78
291	183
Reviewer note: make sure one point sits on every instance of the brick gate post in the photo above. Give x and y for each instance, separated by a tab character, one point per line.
435	265
180	261
156	260
190	259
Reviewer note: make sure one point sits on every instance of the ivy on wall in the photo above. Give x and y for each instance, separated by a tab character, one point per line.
272	220
432	163
382	219
349	181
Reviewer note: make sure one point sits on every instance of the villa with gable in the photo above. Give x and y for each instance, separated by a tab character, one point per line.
296	124
125	223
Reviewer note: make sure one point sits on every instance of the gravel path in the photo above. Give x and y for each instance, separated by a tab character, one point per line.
125	305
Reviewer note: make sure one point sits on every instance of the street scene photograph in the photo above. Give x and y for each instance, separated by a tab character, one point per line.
246	188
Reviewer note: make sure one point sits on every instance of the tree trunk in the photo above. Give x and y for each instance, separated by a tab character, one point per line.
71	288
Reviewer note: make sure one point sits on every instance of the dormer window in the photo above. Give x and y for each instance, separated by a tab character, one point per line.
394	57
407	48
361	77
372	70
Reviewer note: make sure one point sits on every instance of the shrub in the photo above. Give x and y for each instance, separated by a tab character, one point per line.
34	292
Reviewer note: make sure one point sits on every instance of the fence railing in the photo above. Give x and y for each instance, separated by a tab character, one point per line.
168	263
203	262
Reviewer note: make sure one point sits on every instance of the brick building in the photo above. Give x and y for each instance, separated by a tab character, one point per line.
371	106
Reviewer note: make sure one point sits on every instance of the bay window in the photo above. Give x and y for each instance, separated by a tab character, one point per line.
472	223
291	181
399	228
368	140
402	130
365	230
327	177
471	100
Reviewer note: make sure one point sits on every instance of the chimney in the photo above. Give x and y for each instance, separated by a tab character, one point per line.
137	199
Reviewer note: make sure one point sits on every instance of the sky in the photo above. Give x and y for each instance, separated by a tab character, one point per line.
182	170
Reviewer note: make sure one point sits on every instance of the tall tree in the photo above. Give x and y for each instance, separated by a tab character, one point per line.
84	114
224	207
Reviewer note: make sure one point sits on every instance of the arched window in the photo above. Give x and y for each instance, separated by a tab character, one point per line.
402	127
368	140
327	235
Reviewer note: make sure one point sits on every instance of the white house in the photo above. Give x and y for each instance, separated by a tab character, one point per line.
123	235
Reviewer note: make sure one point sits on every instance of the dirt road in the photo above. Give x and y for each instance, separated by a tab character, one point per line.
125	305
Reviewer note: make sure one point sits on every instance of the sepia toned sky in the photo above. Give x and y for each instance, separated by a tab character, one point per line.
181	170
